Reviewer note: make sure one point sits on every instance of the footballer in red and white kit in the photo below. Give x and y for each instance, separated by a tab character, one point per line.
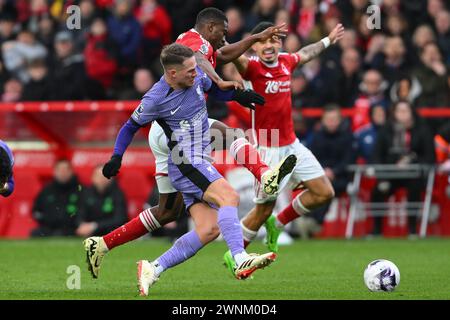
274	126
269	74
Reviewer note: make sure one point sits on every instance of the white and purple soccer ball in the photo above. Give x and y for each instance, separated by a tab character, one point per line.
381	275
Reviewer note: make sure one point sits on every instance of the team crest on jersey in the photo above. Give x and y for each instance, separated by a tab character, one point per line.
285	70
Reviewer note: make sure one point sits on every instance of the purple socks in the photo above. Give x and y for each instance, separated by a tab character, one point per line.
184	248
230	227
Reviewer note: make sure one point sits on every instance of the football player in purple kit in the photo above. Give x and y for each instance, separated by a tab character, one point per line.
177	103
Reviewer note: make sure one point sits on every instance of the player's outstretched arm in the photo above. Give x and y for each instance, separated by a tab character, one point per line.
123	140
232	51
207	68
313	50
241	64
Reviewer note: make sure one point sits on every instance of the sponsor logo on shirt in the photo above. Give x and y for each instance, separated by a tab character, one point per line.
185	125
278	86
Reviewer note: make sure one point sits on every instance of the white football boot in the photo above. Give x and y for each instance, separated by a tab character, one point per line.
272	178
146	275
253	263
96	249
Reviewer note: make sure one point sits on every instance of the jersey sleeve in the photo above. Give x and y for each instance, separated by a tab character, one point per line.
195	43
146	112
205	81
294	60
252	68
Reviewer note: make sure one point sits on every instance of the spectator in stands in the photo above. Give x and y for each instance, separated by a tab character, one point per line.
348	78
392	61
4	76
406	139
406	88
235	24
372	90
263	10
333	54
304	17
283	16
17	53
6	170
433	77
156	28
332	145
442	24
292	43
12	90
143	80
183	14
88	14
56	206
366	136
39	88
126	31
422	36
103	207
68	70
46	32
302	94
100	54
396	25
7	22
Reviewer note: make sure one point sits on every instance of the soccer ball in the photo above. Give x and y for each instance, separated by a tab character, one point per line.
381	275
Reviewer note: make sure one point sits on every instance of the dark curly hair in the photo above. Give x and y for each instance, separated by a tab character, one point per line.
5	166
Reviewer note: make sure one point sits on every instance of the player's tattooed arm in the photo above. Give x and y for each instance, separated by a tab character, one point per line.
232	51
207	68
313	50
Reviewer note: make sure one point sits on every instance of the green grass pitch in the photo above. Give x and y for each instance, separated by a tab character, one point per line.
318	269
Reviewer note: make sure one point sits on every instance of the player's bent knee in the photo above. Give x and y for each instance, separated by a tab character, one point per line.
208	233
327	194
231	198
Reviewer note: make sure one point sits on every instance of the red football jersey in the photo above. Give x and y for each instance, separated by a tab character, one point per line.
196	42
273	82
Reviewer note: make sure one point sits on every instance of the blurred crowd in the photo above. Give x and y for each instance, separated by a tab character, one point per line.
114	52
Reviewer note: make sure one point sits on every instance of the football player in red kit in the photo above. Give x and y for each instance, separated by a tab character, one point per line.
269	73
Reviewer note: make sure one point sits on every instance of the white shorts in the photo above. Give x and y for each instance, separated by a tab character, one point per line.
158	143
307	167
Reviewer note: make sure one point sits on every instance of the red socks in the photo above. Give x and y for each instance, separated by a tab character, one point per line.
287	215
294	210
246	155
128	232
